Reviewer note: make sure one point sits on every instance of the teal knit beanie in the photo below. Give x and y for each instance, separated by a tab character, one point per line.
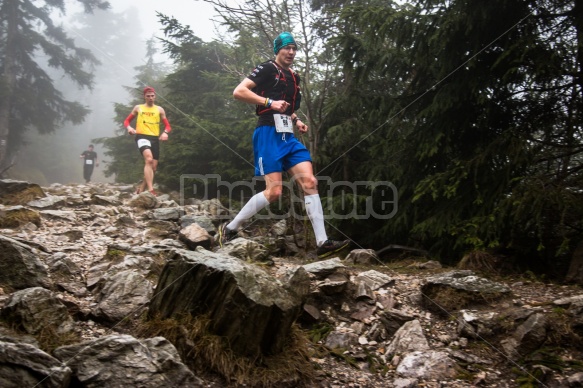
283	40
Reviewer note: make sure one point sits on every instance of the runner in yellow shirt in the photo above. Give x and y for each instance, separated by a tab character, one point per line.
148	118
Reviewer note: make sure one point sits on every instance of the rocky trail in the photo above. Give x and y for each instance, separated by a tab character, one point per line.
80	267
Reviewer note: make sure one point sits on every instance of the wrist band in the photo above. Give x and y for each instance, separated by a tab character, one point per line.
295	120
266	102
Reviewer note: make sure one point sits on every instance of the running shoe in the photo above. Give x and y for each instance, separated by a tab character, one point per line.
153	192
225	234
330	247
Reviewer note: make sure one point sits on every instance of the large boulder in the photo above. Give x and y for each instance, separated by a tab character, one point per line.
25	365
250	309
124	361
20	267
456	290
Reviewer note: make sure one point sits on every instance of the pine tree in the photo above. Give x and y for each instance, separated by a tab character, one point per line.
29	97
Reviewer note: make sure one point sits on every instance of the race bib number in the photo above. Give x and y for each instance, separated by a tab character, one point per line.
89	161
144	143
283	123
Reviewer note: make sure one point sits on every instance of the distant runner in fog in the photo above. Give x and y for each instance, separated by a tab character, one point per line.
148	135
89	161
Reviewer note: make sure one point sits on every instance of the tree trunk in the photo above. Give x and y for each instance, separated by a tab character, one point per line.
575	273
8	80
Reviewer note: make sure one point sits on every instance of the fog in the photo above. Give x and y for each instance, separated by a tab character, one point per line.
117	38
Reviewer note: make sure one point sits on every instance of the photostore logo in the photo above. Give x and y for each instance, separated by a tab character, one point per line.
340	200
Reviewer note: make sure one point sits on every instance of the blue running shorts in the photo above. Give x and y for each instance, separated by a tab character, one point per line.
276	152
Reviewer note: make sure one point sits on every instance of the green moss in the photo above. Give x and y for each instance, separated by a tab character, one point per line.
18	217
114	256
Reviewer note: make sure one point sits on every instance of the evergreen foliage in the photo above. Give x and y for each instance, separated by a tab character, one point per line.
31	41
471	109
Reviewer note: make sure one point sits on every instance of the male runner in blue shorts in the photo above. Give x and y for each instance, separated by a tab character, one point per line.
275	90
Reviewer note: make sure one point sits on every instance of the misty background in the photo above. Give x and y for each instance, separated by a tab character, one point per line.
118	38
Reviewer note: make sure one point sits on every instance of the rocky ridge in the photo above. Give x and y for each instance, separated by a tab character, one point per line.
406	323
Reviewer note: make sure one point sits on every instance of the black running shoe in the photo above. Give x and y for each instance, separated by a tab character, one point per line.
330	247
225	234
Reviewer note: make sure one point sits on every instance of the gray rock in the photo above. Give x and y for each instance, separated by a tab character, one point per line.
362	256
431	365
245	305
194	235
37	309
24	365
245	249
408	338
124	361
20	267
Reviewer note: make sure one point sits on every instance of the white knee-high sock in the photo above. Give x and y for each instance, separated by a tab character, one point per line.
255	204
316	215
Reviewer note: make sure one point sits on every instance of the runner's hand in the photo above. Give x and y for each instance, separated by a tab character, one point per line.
280	105
303	128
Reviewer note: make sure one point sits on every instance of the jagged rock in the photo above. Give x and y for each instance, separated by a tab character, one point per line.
279	229
364	292
566	302
334	284
124	361
36	310
76	200
167	214
528	337
374	279
468	358
297	281
405	383
144	200
61	266
13	192
431	365
194	235
162	229
123	293
245	249
477	324
17	216
24	365
202	220
59	214
214	208
456	290
362	256
20	267
50	202
341	340
105	200
363	312
322	269
408	338
246	306
393	320
311	314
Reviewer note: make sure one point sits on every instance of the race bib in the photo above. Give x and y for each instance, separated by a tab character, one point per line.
89	161
283	123
144	143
